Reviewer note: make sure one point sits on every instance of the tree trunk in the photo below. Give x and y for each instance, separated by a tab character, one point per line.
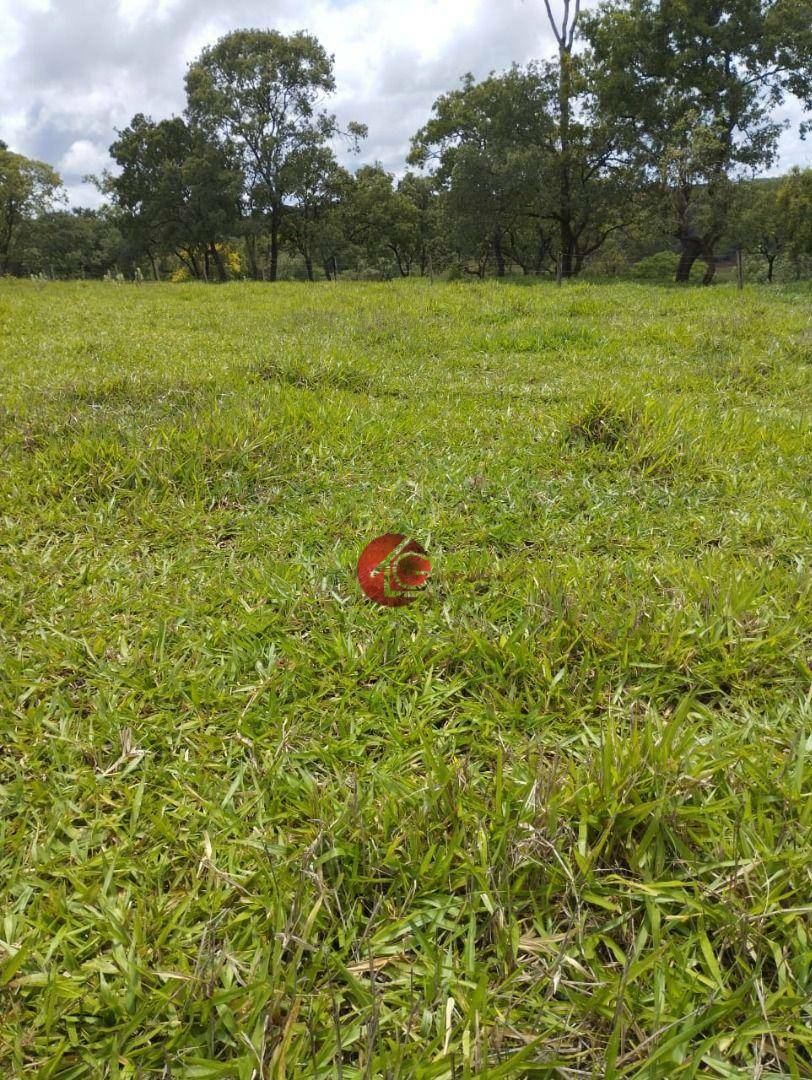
276	222
541	256
498	254
251	251
327	274
190	261
566	255
770	262
564	185
218	262
5	241
710	263
309	266
155	271
569	250
689	253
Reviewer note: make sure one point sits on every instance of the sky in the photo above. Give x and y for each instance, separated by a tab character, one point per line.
74	71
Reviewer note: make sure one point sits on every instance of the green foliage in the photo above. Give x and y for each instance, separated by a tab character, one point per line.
259	92
313	228
659	268
552	820
27	188
794	198
488	140
516	190
69	244
574	166
696	85
761	226
177	192
380	220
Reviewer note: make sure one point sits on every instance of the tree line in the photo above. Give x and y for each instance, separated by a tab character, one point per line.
647	133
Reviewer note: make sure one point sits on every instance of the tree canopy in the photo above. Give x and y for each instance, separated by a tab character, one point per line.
178	191
258	91
647	132
28	188
693	85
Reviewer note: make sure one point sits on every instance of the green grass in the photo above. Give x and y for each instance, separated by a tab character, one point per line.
552	820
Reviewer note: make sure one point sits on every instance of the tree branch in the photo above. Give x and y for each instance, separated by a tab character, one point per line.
558	37
573	24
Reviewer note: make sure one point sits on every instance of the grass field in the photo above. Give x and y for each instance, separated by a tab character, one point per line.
552	820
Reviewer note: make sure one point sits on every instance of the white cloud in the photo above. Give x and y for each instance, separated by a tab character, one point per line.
134	10
791	150
84	195
73	71
82	157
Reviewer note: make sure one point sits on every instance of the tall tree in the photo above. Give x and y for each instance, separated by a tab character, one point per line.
177	192
694	84
27	188
316	189
259	91
794	199
381	221
589	186
564	32
760	225
421	191
502	160
487	141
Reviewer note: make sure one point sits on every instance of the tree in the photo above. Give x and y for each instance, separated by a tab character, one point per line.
258	91
487	141
426	233
316	189
568	152
794	198
694	84
71	243
381	221
760	226
589	185
177	191
27	188
514	152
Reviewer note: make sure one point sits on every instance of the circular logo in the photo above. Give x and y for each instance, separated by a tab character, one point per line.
393	570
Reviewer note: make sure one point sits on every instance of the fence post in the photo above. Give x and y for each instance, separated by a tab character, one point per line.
739	269
559	270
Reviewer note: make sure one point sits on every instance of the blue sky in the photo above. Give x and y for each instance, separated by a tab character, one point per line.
72	71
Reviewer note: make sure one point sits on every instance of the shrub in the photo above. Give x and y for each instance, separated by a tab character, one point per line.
662	267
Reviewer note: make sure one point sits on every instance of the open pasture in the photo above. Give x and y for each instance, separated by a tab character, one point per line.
551	820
